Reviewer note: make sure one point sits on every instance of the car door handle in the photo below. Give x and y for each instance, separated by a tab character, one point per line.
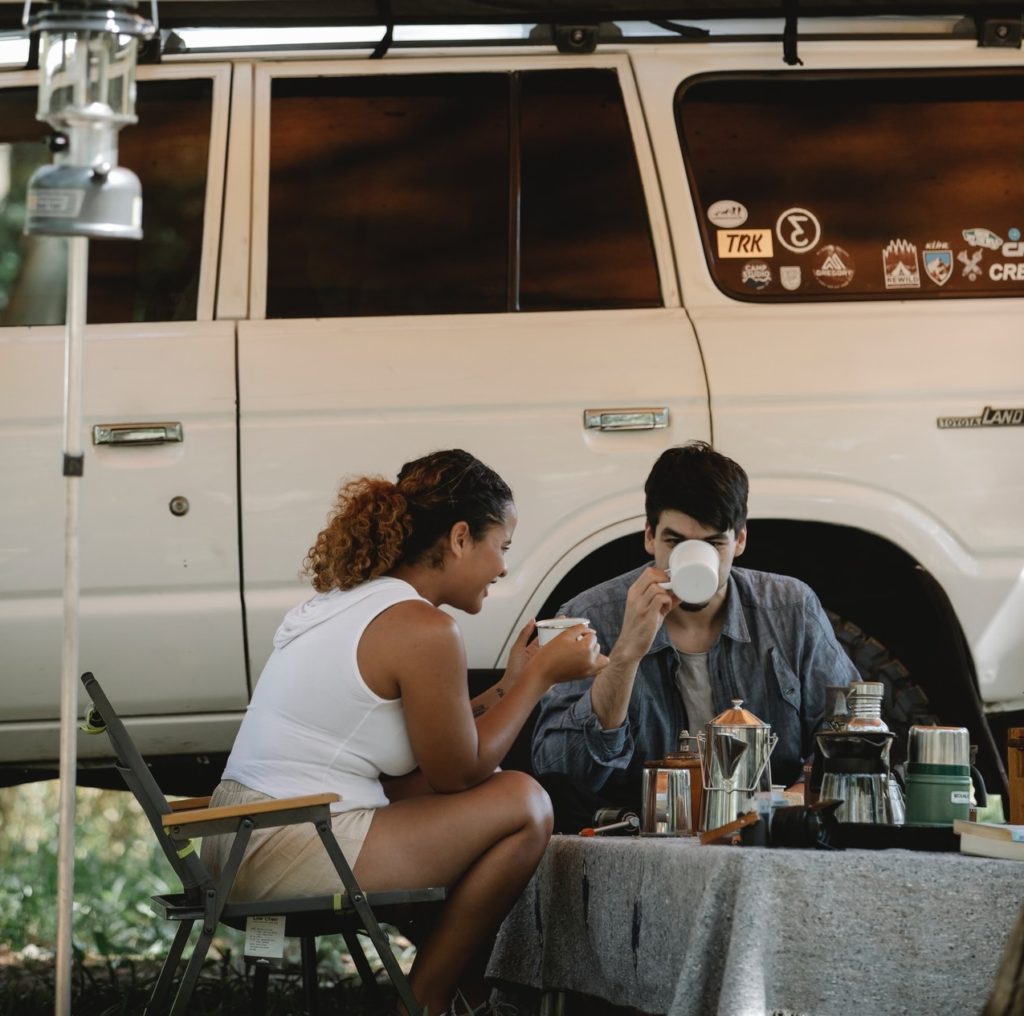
136	433
625	419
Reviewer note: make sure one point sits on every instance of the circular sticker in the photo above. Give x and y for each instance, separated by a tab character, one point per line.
833	267
756	275
798	230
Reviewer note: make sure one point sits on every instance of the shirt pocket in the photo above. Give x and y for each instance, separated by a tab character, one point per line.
786	681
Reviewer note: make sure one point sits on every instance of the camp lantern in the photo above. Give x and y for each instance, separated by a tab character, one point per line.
87	55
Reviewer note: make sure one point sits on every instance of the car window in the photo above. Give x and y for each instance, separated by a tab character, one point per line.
843	187
585	238
454	193
153	279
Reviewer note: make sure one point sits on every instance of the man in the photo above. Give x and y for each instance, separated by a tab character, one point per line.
762	638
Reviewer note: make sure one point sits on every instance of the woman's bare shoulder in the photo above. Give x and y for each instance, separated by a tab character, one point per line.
415	624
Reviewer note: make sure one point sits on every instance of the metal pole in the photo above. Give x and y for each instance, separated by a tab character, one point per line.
78	270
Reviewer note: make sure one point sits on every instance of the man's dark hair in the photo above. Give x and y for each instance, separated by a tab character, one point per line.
698	481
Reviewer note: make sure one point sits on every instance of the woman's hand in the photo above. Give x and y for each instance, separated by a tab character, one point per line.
521	653
570	656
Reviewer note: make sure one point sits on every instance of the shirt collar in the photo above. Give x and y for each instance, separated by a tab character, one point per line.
734	624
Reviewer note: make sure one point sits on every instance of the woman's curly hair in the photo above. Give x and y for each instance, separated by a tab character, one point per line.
376	525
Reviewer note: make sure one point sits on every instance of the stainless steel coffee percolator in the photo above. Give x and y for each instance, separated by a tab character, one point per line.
734	748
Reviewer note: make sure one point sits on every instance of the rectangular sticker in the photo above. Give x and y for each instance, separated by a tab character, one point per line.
264	936
745	243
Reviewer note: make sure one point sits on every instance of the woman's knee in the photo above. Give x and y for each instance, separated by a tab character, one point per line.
529	798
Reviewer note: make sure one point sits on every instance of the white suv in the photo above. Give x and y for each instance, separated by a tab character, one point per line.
564	262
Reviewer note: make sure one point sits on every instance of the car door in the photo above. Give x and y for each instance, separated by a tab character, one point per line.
462	252
160	602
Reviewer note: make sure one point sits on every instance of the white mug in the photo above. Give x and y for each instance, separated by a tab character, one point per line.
693	571
554	626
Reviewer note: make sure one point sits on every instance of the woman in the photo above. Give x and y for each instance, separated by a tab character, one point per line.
369	677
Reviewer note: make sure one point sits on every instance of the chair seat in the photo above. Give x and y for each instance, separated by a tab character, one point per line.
304	916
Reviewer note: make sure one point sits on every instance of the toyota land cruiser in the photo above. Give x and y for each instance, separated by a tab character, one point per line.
565	247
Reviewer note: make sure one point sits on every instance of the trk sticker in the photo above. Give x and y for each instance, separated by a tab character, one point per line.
727	214
798	230
938	262
745	243
899	263
790	277
756	275
980	237
833	267
971	263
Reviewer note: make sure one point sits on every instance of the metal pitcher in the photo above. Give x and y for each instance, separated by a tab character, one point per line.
666	799
735	747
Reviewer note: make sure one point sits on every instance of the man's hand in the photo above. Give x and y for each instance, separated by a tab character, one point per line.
647	604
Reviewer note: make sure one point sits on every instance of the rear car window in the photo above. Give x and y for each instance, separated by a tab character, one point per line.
844	187
455	193
153	279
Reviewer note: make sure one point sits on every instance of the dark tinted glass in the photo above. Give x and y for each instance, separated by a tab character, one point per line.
388	195
585	238
154	279
899	186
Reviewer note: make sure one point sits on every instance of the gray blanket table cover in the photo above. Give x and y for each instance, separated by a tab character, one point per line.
669	926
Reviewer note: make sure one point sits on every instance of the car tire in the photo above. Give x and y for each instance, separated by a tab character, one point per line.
903	702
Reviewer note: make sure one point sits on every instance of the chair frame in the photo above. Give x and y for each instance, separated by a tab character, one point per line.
205	899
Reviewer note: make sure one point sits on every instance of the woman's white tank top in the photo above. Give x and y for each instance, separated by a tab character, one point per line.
313	725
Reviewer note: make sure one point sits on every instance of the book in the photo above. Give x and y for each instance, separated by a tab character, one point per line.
986	839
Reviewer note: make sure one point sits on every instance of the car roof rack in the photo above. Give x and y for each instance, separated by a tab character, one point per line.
271	13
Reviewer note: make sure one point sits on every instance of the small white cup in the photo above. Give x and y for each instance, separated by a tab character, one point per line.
693	571
554	626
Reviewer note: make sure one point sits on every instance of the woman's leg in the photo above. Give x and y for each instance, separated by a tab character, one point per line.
483	843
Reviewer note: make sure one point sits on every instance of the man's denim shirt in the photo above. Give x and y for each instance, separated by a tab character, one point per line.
776	651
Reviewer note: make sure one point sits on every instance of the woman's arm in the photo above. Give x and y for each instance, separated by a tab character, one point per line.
418	650
522	651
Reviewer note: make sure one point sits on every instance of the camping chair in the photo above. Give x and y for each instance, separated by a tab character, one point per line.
205	899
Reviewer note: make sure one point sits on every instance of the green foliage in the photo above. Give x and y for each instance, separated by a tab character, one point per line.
118	942
21	159
117	868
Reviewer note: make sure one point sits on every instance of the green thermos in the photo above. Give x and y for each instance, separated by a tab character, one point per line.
938	775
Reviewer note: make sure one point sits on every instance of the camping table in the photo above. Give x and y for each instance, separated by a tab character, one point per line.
669	926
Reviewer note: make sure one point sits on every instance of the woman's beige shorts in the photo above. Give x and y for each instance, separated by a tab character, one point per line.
290	861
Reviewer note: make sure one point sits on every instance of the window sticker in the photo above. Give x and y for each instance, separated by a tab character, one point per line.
790	276
979	237
756	275
798	230
971	263
833	267
937	260
727	214
742	243
899	263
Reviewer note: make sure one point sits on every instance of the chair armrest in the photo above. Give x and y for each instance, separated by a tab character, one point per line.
189	803
286	811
